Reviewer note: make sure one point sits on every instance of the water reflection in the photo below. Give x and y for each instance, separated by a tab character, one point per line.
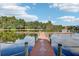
65	39
10	36
18	46
70	42
29	39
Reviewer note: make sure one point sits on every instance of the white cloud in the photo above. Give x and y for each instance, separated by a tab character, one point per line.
28	8
69	7
50	5
45	21
69	18
34	4
16	10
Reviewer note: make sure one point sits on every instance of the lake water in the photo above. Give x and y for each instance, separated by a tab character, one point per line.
70	43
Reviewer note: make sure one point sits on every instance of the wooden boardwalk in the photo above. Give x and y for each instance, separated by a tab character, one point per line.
42	46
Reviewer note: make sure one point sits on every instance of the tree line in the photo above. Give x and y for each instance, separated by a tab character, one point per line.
14	23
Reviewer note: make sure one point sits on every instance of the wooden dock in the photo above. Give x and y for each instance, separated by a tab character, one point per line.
42	46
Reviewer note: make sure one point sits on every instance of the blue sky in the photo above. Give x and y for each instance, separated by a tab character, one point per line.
57	13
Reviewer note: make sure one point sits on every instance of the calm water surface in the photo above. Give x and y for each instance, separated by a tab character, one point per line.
70	43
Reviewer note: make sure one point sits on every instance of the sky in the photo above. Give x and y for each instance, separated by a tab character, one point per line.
66	14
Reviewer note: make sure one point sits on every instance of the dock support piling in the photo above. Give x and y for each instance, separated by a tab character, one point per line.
26	48
50	38
35	37
59	49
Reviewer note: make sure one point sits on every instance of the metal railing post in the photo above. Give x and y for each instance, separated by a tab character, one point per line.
59	49
26	48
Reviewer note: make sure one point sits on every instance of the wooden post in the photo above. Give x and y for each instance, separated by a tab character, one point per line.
50	38
59	49
35	37
26	48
